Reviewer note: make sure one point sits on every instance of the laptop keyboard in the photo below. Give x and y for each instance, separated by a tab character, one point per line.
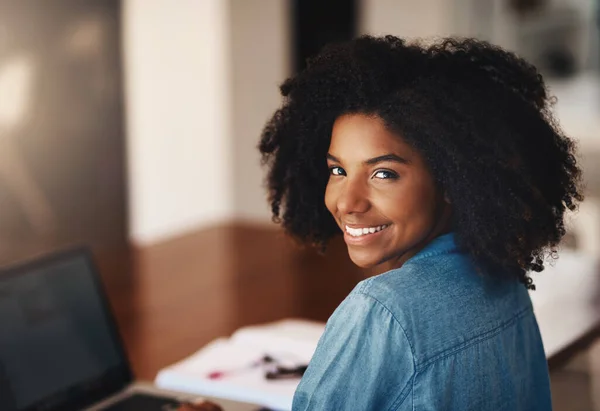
144	402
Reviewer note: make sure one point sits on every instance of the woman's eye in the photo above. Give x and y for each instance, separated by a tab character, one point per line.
385	174
337	171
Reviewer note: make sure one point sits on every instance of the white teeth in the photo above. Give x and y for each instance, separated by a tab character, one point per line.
357	232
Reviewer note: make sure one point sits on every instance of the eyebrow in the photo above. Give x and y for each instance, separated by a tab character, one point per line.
379	159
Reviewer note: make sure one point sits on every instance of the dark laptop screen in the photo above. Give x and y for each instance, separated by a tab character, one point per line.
57	338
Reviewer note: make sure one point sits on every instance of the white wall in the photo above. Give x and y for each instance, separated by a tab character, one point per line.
201	79
260	62
407	18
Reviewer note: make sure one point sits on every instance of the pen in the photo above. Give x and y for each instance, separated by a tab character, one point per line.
277	373
218	374
281	373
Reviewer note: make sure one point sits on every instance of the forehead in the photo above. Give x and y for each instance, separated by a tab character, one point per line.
365	136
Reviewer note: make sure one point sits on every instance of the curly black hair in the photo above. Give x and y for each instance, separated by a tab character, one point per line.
480	116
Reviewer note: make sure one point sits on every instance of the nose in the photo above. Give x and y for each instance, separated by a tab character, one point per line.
353	198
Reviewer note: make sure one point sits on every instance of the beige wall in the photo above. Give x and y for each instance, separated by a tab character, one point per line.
407	18
260	58
201	79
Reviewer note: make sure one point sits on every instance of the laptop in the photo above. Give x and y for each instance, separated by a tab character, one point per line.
59	344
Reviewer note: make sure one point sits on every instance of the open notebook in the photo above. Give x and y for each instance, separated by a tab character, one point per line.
237	362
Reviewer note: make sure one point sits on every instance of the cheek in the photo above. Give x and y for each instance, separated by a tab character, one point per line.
330	198
409	204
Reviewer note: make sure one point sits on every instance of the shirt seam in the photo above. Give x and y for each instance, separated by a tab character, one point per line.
475	340
432	253
402	395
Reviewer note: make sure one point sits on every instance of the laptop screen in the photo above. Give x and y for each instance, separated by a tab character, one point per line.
58	343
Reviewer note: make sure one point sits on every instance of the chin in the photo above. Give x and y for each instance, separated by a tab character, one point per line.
362	258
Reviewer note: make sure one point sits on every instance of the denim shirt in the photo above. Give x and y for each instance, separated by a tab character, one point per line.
431	335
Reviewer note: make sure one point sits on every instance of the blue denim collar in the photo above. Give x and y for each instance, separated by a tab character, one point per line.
443	244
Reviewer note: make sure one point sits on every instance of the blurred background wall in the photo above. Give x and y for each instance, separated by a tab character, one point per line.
177	65
62	157
137	121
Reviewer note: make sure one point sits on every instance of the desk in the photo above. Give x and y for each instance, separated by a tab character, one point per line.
172	298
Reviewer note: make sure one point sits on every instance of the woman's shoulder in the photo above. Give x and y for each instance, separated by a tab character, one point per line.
418	281
447	279
441	301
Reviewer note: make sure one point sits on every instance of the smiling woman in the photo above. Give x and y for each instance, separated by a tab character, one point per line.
447	175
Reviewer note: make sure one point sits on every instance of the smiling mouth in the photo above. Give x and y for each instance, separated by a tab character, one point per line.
360	232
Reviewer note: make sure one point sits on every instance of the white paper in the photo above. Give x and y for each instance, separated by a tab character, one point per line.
289	342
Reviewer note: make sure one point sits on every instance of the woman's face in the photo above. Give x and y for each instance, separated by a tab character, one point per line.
381	193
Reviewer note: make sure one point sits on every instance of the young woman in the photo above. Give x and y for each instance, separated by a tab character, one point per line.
445	172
